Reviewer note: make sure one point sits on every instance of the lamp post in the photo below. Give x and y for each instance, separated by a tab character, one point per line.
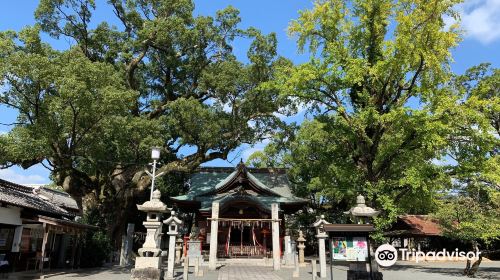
155	155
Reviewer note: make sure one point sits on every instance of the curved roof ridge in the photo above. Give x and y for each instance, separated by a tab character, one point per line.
260	184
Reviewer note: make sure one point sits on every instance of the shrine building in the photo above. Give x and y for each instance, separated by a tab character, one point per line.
240	211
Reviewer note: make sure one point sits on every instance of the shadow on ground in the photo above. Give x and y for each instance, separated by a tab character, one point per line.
486	270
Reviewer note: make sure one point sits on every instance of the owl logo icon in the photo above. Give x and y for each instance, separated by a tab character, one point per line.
386	255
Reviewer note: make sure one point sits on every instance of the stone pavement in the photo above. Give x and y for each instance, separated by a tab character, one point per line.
247	273
400	271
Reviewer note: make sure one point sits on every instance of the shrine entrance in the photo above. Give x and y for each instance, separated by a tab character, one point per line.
243	225
240	238
239	211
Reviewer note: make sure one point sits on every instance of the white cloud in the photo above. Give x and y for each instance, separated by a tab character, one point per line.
11	175
254	148
481	19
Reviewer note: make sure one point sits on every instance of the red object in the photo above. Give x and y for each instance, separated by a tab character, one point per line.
420	225
186	239
281	247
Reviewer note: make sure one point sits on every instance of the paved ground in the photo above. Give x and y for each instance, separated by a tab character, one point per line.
401	271
439	271
246	273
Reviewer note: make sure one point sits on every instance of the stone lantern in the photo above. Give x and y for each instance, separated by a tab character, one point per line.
301	246
173	224
361	214
178	250
321	235
320	226
147	264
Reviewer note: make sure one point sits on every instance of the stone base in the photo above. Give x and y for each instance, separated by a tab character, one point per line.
363	275
147	262
148	273
289	259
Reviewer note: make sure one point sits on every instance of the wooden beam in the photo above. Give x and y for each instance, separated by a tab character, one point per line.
46	231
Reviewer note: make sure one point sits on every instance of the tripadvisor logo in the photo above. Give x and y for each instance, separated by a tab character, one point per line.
386	255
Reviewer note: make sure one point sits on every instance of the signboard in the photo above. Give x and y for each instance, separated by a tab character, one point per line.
350	248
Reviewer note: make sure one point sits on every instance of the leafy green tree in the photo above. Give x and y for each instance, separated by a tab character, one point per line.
472	212
375	69
164	78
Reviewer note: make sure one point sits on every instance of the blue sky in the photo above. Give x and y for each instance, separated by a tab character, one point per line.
480	20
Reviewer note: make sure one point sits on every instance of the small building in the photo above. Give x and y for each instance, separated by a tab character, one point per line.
419	232
243	216
38	227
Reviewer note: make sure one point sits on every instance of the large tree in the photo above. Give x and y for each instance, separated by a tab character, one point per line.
376	68
471	212
163	78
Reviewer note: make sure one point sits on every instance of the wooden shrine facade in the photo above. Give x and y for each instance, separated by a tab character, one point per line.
239	212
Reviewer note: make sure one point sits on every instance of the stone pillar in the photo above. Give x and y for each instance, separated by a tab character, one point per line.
276	236
314	270
173	223
301	240
185	271
126	249
296	273
321	235
196	266
322	255
288	250
171	256
212	262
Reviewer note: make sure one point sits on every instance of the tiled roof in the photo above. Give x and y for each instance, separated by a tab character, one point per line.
415	225
206	179
59	198
422	224
22	196
207	186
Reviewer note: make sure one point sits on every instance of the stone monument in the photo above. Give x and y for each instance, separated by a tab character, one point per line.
178	250
173	224
321	235
301	246
126	249
288	250
147	264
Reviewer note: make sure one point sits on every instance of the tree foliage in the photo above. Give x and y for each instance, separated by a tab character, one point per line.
472	212
164	78
385	114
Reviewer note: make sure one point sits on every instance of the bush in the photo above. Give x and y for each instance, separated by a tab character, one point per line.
96	249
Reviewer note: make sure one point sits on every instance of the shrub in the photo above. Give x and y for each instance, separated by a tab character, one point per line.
96	249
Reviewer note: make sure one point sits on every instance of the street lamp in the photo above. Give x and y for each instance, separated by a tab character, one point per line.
155	155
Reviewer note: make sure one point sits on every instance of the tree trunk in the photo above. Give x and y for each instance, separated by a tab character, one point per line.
467	267
470	270
473	269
